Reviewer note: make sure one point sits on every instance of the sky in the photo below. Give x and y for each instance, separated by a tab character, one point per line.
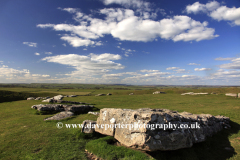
137	42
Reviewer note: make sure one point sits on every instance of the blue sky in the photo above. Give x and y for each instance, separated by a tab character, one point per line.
151	42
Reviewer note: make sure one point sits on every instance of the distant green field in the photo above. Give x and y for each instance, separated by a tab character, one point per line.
24	135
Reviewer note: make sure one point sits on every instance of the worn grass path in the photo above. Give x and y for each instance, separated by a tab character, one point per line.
24	135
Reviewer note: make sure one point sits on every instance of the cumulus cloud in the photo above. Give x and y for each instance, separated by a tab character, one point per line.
235	64
227	14
198	7
202	69
193	64
172	68
76	41
30	44
37	54
178	28
105	56
14	75
92	64
125	24
129	3
49	53
215	11
64	44
145	70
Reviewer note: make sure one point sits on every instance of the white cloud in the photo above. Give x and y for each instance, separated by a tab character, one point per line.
37	54
30	44
223	59
123	24
193	64
227	14
130	3
49	53
145	70
77	42
13	75
172	68
234	65
215	11
105	56
64	44
180	70
87	65
70	10
198	7
135	29
85	49
202	69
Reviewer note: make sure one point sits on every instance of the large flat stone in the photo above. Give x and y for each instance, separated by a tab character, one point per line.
144	138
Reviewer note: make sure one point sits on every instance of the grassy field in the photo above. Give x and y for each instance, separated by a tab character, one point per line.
24	135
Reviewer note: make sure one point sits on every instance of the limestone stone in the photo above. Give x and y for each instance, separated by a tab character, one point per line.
159	92
49	100
232	94
192	93
88	126
58	97
60	116
94	113
30	98
138	133
61	107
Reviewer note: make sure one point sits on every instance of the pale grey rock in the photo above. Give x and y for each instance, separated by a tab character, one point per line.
159	92
143	138
232	94
30	98
88	126
60	116
49	100
94	113
192	93
61	107
58	97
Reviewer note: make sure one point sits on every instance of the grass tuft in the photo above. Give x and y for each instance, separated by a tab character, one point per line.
103	148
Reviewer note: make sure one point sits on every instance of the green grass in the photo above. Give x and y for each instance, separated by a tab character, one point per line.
102	148
24	135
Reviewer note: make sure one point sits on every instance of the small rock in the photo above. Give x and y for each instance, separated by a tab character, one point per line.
30	98
232	94
88	126
94	113
60	116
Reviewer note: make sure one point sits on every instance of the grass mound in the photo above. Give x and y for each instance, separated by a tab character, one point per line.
102	148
